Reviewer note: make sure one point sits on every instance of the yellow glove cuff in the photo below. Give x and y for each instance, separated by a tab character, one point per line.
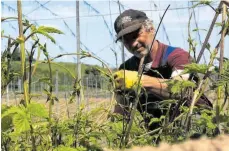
130	79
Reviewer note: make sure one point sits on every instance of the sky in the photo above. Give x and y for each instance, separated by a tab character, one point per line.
96	25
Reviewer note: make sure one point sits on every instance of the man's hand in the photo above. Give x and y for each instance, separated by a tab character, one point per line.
131	79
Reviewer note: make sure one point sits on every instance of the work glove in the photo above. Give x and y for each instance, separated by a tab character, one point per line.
131	79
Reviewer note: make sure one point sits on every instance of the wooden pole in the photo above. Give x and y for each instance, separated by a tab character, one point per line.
209	33
226	2
222	39
22	51
219	99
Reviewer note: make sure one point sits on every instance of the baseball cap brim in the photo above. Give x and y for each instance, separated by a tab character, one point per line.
128	30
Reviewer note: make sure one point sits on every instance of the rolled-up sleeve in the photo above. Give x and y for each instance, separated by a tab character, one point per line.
177	60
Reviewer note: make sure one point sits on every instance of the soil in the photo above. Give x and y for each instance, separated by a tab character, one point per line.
220	143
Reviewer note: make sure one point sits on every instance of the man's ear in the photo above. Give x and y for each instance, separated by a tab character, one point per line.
152	30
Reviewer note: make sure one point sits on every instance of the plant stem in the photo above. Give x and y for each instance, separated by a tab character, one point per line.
5	18
50	90
37	60
22	51
138	90
33	138
190	40
198	90
8	37
23	64
133	110
30	67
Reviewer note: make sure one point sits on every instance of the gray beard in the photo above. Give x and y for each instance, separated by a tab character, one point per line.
143	53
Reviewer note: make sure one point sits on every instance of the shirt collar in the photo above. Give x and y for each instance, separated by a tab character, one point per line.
160	51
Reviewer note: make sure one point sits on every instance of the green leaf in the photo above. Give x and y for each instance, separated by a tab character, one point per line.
25	22
45	80
208	46
167	102
2	32
210	125
14	136
202	2
46	91
33	28
63	148
224	118
197	29
46	35
37	110
4	108
43	125
186	84
69	140
55	98
176	86
19	40
154	120
96	134
195	68
13	110
21	123
218	24
49	30
117	127
6	120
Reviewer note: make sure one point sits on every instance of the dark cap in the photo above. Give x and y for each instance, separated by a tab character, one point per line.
129	21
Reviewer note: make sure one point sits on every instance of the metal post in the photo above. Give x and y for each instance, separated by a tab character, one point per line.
87	99
11	85
19	85
96	86
16	84
89	88
56	91
78	51
34	88
30	86
65	85
69	85
41	84
65	94
7	95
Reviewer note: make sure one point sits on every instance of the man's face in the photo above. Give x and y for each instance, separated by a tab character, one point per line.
138	42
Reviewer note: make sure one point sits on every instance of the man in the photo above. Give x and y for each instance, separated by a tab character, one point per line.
136	32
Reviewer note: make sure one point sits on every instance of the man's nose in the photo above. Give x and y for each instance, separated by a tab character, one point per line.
129	44
134	44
